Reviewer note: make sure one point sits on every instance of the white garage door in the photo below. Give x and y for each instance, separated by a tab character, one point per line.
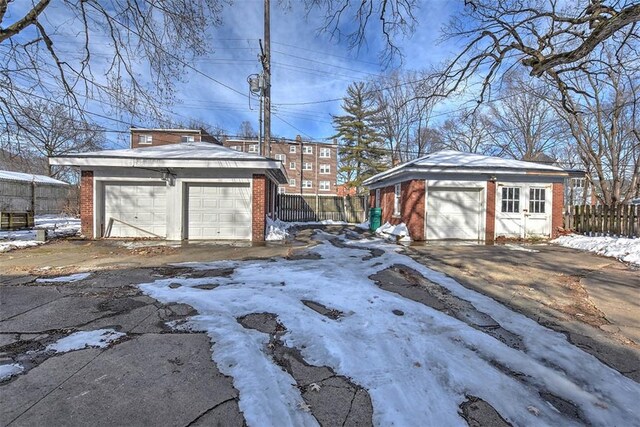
219	211
454	213
138	210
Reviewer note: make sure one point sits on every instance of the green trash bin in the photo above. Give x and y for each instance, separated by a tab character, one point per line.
375	218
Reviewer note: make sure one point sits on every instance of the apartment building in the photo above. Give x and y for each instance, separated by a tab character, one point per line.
141	137
311	166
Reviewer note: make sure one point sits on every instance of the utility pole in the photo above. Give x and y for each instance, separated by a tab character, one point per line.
266	71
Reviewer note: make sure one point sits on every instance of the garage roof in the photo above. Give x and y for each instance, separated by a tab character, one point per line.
186	155
456	161
27	177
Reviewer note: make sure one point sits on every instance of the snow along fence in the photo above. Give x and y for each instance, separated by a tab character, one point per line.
311	208
41	198
620	220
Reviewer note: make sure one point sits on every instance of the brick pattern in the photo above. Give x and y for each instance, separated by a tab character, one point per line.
412	205
86	203
490	226
159	137
557	218
259	207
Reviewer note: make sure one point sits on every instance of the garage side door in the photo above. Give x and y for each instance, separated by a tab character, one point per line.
138	210
219	211
454	213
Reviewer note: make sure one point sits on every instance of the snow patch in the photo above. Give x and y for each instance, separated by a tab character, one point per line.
394	232
363	225
276	230
519	248
7	371
100	338
64	279
57	226
622	248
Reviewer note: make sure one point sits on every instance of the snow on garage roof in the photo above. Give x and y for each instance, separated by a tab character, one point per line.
20	176
456	161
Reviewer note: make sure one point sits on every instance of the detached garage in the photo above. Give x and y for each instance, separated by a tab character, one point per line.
196	191
449	195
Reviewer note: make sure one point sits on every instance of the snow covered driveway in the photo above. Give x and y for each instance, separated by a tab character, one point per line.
417	363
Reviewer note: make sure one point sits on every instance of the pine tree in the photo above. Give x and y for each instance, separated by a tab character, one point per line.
361	145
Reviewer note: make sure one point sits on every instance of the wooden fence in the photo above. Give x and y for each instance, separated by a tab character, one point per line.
621	220
16	220
307	208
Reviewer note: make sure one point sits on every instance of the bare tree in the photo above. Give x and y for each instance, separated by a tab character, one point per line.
468	131
246	130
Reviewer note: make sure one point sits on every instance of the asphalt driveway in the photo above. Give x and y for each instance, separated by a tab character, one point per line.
181	362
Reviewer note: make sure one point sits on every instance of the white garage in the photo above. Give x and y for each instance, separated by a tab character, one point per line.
454	213
219	211
135	210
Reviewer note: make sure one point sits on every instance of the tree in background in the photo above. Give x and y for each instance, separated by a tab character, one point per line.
468	131
361	151
246	130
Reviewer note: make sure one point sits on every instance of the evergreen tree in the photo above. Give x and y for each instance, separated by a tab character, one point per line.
361	144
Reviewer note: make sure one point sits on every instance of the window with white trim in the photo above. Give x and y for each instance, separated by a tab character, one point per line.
292	149
397	195
292	182
325	153
577	182
325	169
292	165
235	147
145	139
325	185
537	200
307	166
510	199
187	138
253	148
282	190
307	184
281	157
307	149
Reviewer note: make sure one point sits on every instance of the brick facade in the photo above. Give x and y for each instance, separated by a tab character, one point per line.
412	206
557	217
259	207
169	136
490	225
86	203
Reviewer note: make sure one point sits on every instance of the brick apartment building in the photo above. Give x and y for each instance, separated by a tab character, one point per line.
141	137
311	166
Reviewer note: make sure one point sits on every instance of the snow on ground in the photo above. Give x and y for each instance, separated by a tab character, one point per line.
416	367
77	341
519	248
56	226
394	232
7	371
64	279
279	230
622	248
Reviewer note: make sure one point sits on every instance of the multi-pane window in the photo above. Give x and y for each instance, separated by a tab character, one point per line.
325	185
292	148
577	182
325	169
307	149
186	138
145	139
292	165
325	153
397	194
292	182
537	200
281	157
253	148
282	190
307	166
307	184
510	199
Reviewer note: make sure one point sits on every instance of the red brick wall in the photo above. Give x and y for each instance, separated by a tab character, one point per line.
412	202
557	219
259	207
86	203
490	226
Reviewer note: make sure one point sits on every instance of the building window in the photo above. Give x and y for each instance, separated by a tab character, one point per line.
325	185
325	153
282	190
235	147
307	166
292	165
253	148
292	182
145	139
187	138
307	149
281	157
537	200
325	169
292	149
510	199
577	182
307	184
378	198
397	194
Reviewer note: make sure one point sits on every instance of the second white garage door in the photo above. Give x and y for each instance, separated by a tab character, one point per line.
219	211
454	213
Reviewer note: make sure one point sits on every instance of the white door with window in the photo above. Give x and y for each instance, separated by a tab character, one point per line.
135	210
454	213
220	211
523	210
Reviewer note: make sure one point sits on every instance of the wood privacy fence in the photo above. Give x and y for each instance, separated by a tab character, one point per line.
16	221
294	207
621	220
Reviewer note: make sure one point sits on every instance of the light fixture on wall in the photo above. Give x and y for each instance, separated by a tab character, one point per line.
169	178
493	178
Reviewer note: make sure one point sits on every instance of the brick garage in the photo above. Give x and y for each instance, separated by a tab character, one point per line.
197	191
461	196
